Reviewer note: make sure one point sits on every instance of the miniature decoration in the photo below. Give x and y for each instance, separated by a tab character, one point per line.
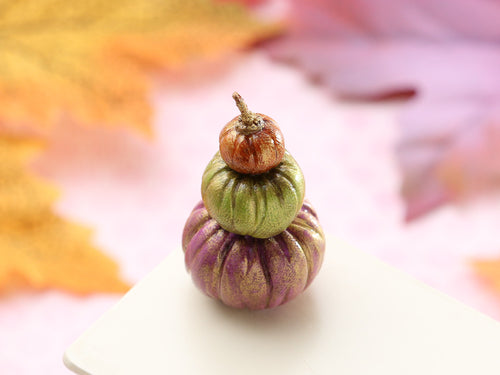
253	242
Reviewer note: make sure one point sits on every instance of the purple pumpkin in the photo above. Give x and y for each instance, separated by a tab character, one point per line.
248	272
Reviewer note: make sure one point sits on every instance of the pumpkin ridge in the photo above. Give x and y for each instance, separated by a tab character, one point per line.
291	243
293	189
273	245
275	186
255	199
200	246
201	231
308	220
303	226
261	251
233	192
217	172
225	131
189	233
240	139
253	150
275	148
292	181
308	208
284	247
264	200
307	255
315	248
226	183
227	246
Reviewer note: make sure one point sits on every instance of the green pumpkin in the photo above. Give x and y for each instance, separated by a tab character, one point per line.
261	205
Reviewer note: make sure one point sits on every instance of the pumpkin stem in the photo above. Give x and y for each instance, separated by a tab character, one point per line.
249	122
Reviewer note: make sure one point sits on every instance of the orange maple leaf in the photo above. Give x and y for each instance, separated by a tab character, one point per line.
93	58
37	247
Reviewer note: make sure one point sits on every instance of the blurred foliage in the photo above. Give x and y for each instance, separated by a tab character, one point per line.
37	247
92	61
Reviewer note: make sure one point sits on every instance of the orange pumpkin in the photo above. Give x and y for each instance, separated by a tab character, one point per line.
251	143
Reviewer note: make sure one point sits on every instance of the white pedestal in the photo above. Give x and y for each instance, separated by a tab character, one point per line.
359	317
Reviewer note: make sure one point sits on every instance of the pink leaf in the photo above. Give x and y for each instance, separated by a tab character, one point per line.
446	52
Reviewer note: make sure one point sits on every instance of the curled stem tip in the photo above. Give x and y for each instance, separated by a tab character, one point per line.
251	122
240	103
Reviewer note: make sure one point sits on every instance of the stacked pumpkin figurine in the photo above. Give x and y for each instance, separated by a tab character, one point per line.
253	242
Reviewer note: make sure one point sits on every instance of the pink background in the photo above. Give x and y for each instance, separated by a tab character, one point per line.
137	193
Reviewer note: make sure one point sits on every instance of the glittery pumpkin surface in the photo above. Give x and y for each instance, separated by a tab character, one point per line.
248	272
252	153
260	205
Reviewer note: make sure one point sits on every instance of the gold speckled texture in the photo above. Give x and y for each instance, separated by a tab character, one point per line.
248	272
252	153
260	205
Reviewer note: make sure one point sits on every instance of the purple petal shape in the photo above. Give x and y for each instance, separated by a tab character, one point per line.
445	53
